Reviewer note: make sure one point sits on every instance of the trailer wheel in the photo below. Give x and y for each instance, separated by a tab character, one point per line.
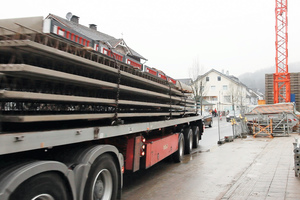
188	138
102	182
46	186
178	155
196	136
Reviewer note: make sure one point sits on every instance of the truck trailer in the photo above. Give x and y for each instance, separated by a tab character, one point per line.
76	114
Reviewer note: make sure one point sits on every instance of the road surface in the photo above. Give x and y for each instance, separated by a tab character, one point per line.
134	182
249	168
211	135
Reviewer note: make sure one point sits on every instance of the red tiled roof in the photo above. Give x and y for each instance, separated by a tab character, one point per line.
274	108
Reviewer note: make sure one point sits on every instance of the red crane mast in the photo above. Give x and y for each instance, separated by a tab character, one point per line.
282	91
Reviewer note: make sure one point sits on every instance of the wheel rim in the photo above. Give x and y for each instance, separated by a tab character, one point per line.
43	197
191	141
197	134
103	186
181	148
197	137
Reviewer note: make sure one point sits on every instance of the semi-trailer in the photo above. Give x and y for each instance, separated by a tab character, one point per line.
73	119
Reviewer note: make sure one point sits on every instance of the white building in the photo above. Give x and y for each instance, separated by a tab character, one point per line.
225	91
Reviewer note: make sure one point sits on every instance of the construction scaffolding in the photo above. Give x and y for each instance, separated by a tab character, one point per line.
272	120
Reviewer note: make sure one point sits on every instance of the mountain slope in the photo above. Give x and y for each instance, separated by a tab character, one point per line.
256	80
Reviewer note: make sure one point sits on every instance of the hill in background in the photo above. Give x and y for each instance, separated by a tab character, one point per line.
256	80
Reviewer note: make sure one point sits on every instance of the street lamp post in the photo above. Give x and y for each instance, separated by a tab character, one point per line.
233	120
218	105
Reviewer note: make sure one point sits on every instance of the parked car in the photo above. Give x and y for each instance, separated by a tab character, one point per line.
207	118
231	115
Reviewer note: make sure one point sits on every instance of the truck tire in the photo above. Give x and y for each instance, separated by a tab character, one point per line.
188	139
196	136
102	182
45	186
178	155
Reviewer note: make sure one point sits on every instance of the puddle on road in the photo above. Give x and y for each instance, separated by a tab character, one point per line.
194	154
187	159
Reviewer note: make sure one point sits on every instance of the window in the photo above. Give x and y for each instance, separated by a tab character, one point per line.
134	64
213	87
219	78
225	87
227	99
214	98
207	78
60	31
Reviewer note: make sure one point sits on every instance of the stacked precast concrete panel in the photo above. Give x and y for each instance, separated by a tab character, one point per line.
78	85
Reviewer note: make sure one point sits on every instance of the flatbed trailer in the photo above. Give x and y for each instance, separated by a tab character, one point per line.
73	120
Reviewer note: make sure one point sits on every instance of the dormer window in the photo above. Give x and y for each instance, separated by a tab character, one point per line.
122	43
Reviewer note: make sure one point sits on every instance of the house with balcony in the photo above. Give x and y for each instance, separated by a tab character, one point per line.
225	92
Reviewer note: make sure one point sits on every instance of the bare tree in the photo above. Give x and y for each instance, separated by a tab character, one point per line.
196	81
237	95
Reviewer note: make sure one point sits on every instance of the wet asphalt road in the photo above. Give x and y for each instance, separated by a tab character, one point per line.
212	134
135	183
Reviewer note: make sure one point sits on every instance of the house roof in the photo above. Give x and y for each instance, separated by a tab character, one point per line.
254	93
231	77
187	81
93	34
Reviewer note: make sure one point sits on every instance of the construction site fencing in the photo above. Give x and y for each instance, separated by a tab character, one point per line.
240	127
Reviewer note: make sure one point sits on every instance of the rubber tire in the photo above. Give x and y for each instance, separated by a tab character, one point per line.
210	124
178	155
104	161
188	140
196	136
46	183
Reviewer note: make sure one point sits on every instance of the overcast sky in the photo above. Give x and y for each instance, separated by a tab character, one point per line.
234	35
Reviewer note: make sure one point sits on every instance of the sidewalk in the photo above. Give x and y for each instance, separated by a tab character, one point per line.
271	175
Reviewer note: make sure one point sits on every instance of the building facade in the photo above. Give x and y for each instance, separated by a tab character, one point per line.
90	37
225	92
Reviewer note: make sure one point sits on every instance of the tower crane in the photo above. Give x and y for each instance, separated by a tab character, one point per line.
282	91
